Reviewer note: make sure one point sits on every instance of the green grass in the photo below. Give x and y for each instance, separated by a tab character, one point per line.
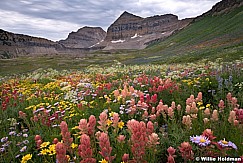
29	64
209	37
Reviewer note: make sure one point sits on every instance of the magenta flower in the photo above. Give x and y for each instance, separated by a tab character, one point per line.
200	140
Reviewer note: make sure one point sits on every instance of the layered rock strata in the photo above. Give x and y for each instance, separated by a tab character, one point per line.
127	25
84	37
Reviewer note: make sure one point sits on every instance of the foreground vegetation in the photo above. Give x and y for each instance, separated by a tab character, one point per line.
139	113
187	104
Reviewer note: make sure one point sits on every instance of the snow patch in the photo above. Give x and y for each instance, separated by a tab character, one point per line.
135	36
117	41
96	44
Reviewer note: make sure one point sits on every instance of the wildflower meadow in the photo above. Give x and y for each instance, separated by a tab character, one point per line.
124	114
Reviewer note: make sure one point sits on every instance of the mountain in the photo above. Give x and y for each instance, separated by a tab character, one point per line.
12	45
84	38
163	36
127	25
223	7
78	43
127	32
133	32
216	33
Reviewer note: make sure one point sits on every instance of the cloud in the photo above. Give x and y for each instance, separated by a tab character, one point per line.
38	27
56	18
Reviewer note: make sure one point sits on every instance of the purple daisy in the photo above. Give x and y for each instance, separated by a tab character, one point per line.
200	140
224	143
194	139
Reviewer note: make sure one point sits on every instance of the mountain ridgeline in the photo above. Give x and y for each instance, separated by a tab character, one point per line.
156	37
85	37
216	34
77	43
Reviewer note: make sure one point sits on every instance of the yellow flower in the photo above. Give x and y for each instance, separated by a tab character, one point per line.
91	102
29	107
52	149
68	157
74	145
103	161
26	158
44	151
76	134
208	105
224	141
190	83
108	122
121	124
71	115
184	81
85	102
201	107
75	128
200	103
111	114
44	144
119	98
207	79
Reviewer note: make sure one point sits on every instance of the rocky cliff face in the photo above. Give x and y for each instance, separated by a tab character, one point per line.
222	7
14	45
84	37
225	6
133	32
127	25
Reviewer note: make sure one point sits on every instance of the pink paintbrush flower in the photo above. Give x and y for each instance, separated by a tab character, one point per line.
83	126
66	135
91	125
84	149
105	147
103	122
61	153
186	151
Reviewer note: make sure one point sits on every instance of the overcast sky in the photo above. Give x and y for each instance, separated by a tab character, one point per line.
55	19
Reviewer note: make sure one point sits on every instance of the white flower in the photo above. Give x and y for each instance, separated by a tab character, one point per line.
26	141
12	133
4	139
23	149
25	135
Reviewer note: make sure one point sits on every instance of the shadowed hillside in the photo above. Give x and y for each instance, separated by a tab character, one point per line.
209	36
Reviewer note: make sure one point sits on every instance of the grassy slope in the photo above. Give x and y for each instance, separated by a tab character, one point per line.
27	64
209	37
